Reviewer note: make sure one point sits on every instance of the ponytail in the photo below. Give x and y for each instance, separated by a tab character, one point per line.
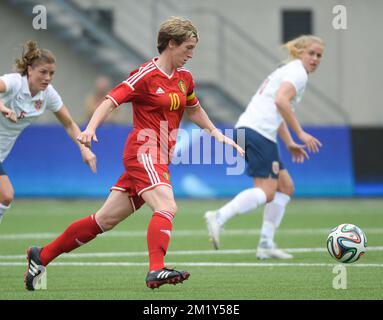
32	56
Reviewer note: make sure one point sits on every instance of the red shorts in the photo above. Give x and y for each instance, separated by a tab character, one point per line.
140	177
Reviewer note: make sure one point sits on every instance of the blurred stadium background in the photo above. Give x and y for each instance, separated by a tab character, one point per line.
239	46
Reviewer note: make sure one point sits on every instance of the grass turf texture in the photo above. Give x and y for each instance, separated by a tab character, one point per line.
306	225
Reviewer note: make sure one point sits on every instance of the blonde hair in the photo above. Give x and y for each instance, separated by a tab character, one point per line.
175	28
32	56
296	46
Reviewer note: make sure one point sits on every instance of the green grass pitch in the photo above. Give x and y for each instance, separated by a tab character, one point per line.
114	265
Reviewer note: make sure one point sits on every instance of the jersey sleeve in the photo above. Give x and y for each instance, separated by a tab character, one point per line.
121	93
297	76
191	98
54	101
128	89
12	83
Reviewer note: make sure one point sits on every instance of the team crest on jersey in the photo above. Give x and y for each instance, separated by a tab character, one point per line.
38	104
275	167
21	115
166	176
182	86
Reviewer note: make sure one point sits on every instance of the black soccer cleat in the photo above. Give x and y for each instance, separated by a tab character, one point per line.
35	268
155	279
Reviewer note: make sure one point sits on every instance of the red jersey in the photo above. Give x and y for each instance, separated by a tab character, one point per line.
158	101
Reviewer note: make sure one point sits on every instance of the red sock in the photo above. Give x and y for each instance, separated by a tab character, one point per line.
77	234
158	237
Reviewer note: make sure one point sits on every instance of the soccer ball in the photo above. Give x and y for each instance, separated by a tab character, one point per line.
346	243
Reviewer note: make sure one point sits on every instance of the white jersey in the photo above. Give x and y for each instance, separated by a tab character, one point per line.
27	108
261	113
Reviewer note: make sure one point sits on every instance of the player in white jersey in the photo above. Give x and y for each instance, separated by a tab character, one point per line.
271	112
24	96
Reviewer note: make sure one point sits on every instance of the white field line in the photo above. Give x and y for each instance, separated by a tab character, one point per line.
174	253
195	264
183	233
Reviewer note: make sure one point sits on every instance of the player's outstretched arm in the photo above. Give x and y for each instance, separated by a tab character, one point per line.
8	113
201	119
283	99
297	151
73	131
89	134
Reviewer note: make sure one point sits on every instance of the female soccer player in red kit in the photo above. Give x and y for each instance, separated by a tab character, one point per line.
160	91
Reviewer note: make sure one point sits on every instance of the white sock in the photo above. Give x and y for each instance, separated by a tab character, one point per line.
3	208
245	201
272	217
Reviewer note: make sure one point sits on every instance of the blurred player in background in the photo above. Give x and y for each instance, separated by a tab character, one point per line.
271	112
160	91
24	96
102	86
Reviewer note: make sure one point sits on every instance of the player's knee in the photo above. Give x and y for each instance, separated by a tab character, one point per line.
269	190
6	197
173	208
107	223
290	190
270	196
107	226
169	206
287	188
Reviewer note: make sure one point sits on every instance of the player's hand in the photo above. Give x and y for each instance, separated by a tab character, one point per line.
298	152
89	158
224	139
230	142
86	137
9	114
312	143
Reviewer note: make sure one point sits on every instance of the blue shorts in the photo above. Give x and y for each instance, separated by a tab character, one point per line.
261	155
2	172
